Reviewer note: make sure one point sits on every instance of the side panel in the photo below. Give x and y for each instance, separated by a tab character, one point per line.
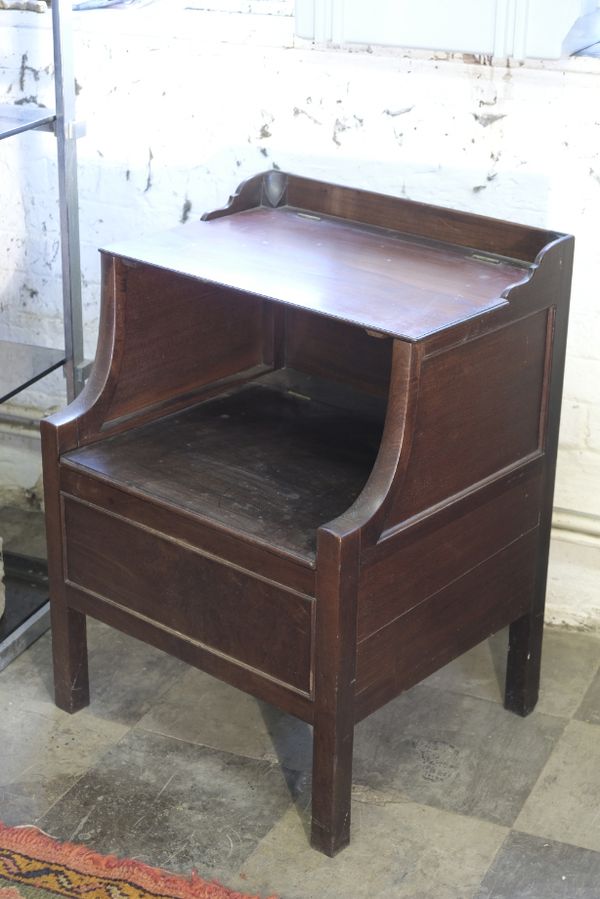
206	536
178	335
481	409
327	348
458	555
416	563
247	619
445	625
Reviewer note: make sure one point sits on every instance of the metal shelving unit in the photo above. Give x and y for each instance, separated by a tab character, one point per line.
22	364
16	119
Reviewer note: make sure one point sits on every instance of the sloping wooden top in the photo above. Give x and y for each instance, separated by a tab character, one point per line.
392	283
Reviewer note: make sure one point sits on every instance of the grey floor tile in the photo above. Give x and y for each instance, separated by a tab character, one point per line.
30	678
43	755
569	662
533	868
589	710
398	850
126	676
210	778
202	710
454	752
175	805
565	803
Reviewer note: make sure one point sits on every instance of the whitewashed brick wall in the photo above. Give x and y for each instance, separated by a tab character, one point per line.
180	108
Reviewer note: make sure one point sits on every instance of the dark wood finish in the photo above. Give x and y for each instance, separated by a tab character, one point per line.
420	219
434	286
525	635
206	536
224	607
69	641
335	667
338	352
315	457
272	465
226	327
194	653
469	609
476	414
409	569
69	650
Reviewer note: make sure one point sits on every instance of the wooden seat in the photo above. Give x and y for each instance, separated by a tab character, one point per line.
316	455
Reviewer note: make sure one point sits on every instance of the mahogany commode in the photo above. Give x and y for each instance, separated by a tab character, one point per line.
316	455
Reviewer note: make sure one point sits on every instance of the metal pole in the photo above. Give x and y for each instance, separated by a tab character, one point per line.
64	83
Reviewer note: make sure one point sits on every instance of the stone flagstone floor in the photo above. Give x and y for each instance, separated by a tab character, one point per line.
454	798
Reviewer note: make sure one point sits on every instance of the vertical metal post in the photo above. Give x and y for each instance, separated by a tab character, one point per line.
64	83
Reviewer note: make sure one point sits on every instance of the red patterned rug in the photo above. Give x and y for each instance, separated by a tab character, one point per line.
34	866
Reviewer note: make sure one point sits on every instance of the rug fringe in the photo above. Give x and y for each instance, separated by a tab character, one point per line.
31	840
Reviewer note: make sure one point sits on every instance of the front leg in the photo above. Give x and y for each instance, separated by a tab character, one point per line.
524	663
335	665
332	781
69	650
69	642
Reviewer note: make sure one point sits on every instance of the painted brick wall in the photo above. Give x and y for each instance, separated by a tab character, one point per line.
181	108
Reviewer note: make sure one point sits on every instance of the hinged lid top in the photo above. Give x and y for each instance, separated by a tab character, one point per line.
403	285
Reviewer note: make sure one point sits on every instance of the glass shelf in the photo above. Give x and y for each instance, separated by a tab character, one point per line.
27	615
15	119
22	365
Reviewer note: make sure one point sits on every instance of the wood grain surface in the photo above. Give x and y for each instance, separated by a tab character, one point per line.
372	278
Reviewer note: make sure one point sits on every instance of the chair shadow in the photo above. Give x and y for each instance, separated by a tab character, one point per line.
292	738
498	646
292	742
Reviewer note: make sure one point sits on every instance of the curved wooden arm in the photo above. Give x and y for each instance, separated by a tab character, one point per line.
367	514
166	340
74	424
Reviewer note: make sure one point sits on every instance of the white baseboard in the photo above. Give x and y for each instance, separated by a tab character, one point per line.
573	593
